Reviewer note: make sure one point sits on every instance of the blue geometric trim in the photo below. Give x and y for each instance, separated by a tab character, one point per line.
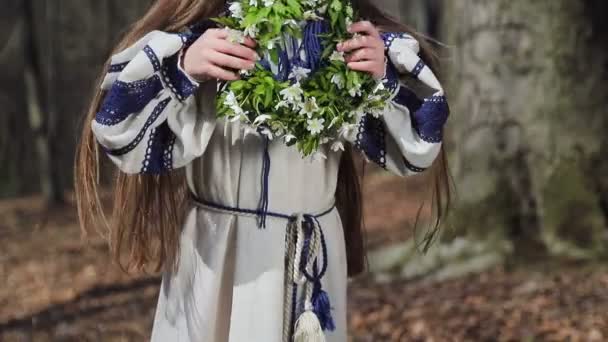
160	107
413	168
371	139
175	80
125	98
429	120
152	57
160	141
117	67
418	68
391	80
389	38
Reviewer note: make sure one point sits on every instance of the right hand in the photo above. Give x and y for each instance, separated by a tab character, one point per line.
213	56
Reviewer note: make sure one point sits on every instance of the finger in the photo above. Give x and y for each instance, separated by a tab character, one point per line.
249	42
236	50
364	27
224	60
357	43
221	74
366	66
362	54
218	33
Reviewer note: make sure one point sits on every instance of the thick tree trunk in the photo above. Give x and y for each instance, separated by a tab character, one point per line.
44	95
528	96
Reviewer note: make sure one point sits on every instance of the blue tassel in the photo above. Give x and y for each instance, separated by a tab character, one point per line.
322	308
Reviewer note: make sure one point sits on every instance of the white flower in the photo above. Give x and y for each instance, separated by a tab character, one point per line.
323	9
292	94
251	31
231	99
253	3
261	119
337	56
337	146
250	130
236	9
315	126
299	73
309	107
236	36
349	11
268	3
311	15
289	137
355	90
347	131
338	79
281	104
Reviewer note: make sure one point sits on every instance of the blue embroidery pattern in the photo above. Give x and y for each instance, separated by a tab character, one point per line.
160	107
152	57
389	38
175	79
127	98
161	141
117	67
371	139
430	119
418	68
412	167
407	98
391	81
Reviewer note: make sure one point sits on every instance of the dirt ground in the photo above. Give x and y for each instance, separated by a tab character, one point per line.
55	288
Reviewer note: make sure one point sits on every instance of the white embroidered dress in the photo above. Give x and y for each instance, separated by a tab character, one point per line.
230	282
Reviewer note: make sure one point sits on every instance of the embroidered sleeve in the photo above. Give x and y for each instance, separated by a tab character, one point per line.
148	121
406	137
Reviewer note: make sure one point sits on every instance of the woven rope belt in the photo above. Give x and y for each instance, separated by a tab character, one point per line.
307	313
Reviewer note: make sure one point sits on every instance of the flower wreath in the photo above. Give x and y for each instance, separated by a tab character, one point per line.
313	106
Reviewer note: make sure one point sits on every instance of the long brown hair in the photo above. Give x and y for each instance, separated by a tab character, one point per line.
148	210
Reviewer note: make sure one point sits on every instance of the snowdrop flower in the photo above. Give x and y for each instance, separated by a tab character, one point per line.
337	56
338	80
310	107
379	87
293	94
337	146
315	126
252	31
250	130
289	137
349	11
236	9
268	3
323	9
261	119
324	141
253	3
299	73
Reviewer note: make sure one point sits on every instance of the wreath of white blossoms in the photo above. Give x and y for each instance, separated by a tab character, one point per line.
312	108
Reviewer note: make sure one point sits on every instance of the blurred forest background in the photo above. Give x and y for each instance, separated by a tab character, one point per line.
522	257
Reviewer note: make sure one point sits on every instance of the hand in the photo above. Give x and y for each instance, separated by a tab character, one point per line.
366	49
213	56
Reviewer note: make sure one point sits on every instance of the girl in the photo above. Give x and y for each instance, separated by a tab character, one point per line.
188	197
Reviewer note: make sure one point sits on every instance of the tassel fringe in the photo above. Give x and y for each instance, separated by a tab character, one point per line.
308	328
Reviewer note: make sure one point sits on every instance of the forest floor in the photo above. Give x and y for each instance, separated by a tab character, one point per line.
55	288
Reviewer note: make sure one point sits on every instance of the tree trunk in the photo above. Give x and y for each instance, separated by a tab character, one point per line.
50	54
528	97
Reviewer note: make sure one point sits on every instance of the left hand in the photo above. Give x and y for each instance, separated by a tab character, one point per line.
365	50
